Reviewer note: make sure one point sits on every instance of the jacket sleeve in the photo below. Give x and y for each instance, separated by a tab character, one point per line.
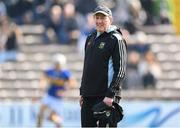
87	39
119	59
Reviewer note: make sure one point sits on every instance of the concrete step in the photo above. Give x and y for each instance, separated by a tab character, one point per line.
37	66
158	29
32	29
19	84
20	94
49	48
40	56
170	48
168	84
169	66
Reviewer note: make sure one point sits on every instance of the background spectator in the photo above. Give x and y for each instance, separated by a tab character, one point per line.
70	29
85	6
133	79
3	10
54	24
85	30
10	36
150	70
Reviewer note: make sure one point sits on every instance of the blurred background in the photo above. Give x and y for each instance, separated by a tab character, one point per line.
32	31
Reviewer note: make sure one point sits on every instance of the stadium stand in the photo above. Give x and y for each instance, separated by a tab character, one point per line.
166	46
19	80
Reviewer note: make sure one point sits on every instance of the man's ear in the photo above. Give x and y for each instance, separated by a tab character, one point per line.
111	19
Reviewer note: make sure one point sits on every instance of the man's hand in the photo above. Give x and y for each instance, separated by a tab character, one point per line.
108	101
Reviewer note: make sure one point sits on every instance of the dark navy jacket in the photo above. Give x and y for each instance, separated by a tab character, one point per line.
104	65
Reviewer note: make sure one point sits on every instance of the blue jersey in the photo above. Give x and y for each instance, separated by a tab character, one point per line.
60	75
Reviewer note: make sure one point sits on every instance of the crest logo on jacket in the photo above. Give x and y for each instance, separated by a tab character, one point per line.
101	45
89	43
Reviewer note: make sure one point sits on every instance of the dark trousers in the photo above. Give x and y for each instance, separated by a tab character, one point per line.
87	118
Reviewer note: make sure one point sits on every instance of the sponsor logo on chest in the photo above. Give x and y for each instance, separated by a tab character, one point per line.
101	45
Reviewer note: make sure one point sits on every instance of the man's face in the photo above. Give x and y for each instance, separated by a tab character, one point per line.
102	22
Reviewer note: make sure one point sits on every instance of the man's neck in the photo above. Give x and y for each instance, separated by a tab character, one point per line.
99	33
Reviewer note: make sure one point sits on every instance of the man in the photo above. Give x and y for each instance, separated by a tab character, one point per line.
104	67
58	80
